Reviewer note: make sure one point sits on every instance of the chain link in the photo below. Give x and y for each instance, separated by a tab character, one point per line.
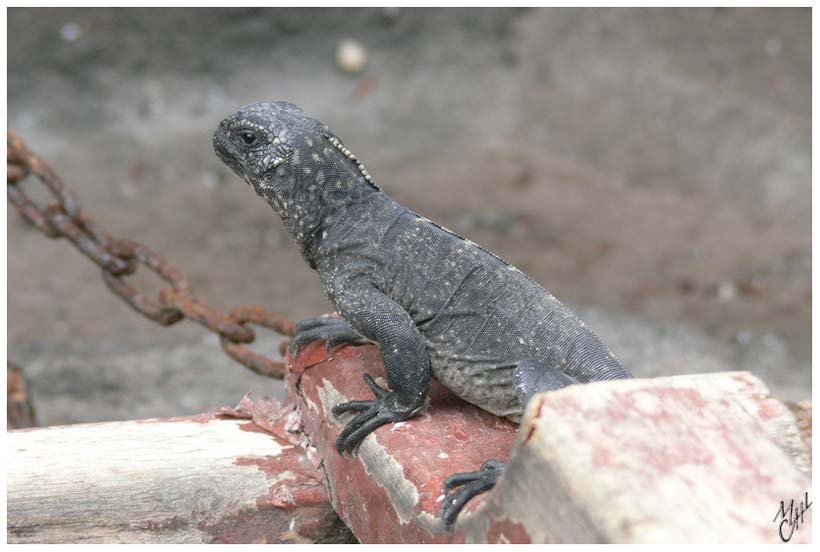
121	258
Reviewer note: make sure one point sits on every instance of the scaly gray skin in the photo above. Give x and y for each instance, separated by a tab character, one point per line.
438	305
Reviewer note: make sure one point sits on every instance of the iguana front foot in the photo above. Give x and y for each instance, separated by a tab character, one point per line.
469	484
333	330
385	408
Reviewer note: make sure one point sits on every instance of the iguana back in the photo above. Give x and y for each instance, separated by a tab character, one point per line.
480	316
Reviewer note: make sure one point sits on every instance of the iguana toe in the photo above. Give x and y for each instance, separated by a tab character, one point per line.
459	488
333	330
372	414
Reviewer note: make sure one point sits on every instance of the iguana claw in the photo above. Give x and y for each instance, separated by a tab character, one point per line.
467	485
333	330
372	414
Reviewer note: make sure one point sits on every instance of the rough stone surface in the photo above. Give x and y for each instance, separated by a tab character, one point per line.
181	373
696	458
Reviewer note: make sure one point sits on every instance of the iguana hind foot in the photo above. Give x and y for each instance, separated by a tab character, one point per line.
459	488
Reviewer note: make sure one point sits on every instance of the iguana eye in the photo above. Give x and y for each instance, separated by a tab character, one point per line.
248	137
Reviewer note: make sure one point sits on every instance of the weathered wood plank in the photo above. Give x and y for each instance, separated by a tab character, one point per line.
677	459
182	480
703	458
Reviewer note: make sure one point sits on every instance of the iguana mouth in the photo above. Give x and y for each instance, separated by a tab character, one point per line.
225	151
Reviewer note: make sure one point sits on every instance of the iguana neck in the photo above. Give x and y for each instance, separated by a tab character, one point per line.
309	211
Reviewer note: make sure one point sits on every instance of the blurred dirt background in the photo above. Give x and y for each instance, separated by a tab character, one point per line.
650	167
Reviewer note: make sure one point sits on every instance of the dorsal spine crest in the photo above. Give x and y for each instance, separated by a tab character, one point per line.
349	154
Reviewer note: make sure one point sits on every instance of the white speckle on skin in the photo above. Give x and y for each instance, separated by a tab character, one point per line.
440	499
443	455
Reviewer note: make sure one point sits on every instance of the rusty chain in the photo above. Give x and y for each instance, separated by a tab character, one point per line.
119	259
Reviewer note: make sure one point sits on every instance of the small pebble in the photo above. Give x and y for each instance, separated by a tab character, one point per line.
726	291
392	11
351	56
773	47
128	190
186	402
743	337
696	253
70	32
210	180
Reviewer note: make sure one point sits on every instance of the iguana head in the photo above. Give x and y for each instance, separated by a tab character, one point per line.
292	161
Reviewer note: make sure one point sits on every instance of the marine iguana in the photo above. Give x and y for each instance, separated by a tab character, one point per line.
437	304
